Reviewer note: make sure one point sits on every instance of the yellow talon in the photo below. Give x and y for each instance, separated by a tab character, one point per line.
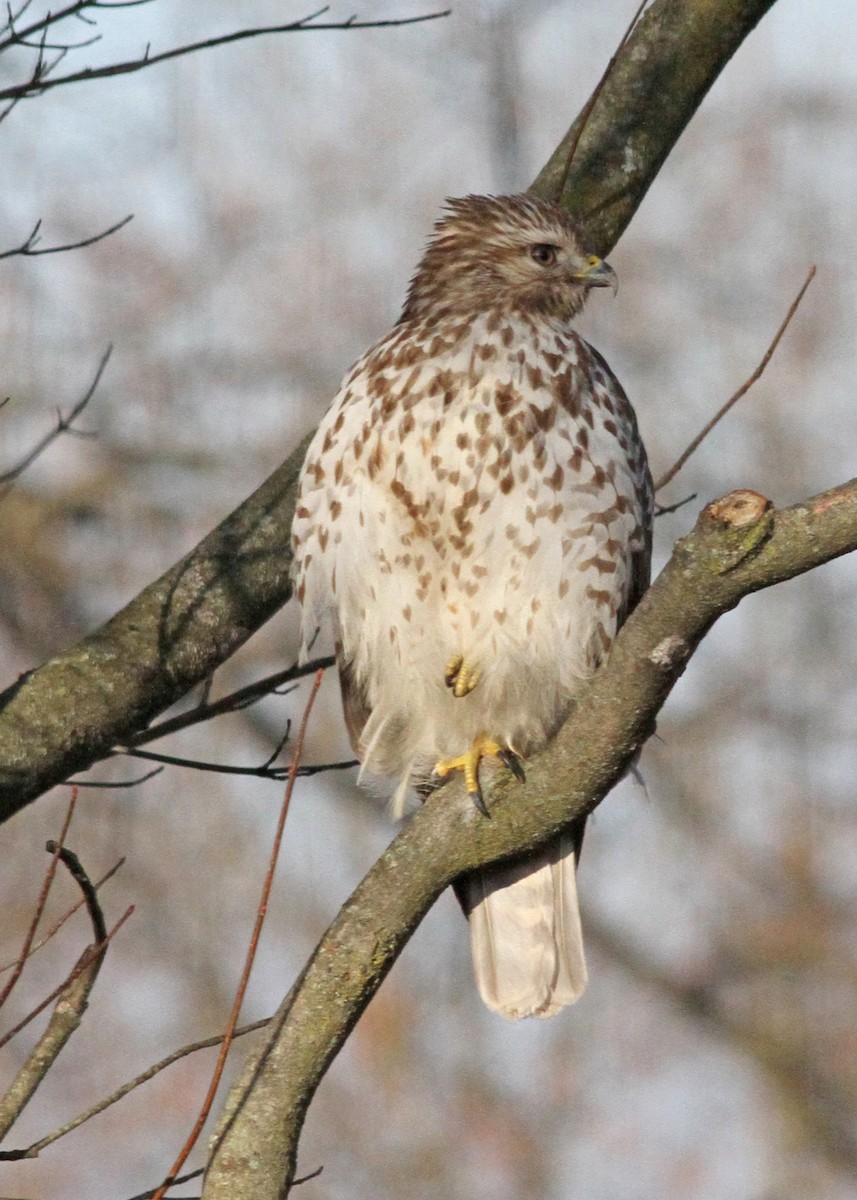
460	675
482	747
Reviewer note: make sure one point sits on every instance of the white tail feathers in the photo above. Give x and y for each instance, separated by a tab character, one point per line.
525	932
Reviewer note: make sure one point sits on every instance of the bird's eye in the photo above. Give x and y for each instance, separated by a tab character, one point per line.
544	254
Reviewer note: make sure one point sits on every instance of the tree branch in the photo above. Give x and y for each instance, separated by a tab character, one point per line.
64	424
69	713
39	81
739	545
670	61
66	715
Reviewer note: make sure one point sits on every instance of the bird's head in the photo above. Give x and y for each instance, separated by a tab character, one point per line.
519	253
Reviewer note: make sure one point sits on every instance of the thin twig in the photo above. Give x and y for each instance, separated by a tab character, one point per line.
251	951
266	771
51	18
121	783
72	1000
90	955
90	898
28	247
234	702
55	928
586	111
63	425
126	1088
40	904
742	390
37	84
661	510
151	1193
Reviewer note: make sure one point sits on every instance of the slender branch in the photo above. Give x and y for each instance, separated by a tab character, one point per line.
38	83
81	967
50	874
739	545
57	925
742	390
17	37
234	702
120	1093
72	1000
28	248
266	771
150	1193
586	112
251	950
90	895
64	425
671	60
120	783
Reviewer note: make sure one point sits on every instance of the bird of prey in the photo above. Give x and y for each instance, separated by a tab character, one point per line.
472	527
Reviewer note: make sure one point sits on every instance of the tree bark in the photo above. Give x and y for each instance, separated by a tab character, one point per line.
672	58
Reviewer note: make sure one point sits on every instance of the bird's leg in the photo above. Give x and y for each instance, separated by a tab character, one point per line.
482	747
460	676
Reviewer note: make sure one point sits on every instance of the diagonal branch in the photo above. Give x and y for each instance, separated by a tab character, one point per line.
64	424
39	81
739	545
68	714
742	391
672	57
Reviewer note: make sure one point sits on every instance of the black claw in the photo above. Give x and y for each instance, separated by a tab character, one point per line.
510	759
479	800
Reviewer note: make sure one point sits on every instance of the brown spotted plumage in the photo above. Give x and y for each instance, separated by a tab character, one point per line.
473	526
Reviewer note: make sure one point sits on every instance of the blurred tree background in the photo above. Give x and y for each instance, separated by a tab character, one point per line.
282	190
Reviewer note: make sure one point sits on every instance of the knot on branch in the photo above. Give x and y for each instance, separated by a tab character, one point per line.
742	522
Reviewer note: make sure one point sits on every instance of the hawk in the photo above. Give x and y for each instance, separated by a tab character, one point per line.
473	525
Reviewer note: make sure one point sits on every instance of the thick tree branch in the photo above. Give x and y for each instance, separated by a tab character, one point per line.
670	61
739	545
67	714
70	712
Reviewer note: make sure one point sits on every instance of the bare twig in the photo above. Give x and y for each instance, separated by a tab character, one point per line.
38	83
17	37
251	950
64	425
26	949
90	898
55	928
72	999
125	1090
28	248
586	111
151	1193
122	783
265	771
234	702
82	965
742	390
661	510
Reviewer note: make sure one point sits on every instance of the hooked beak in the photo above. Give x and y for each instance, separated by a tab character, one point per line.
597	273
